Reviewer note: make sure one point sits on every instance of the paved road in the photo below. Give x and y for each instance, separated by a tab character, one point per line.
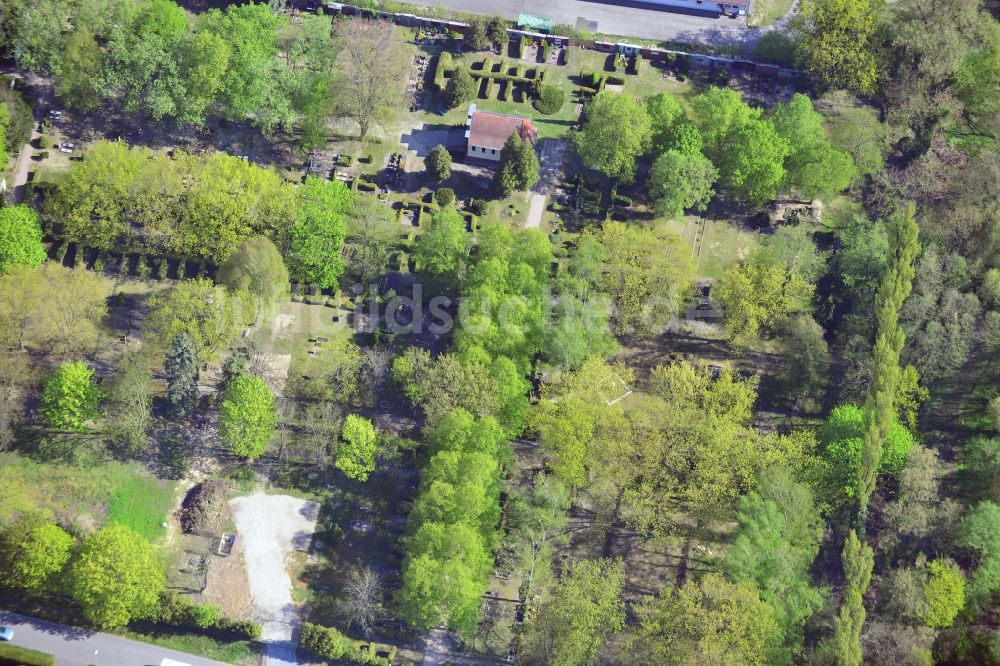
614	19
73	646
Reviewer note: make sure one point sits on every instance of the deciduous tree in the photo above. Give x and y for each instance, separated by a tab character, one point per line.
441	251
356	456
33	552
116	577
130	404
585	610
209	314
255	267
247	417
373	67
678	182
616	133
70	397
834	43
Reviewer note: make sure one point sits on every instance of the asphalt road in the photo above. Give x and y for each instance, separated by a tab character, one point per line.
616	19
73	646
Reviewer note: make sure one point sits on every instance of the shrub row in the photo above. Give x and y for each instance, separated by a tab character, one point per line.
177	611
445	64
328	643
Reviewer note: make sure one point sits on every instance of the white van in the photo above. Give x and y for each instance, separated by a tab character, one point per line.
172	662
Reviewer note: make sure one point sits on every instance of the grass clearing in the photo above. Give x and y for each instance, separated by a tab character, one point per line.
766	12
723	245
142	505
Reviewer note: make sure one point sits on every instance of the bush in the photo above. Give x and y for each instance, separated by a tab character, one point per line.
328	643
635	64
521	46
546	50
444	196
42	155
45	142
479	206
14	655
550	100
177	611
595	80
102	259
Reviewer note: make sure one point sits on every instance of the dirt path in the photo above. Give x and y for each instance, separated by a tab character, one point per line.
536	206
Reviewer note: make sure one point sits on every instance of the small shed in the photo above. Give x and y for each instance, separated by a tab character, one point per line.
534	23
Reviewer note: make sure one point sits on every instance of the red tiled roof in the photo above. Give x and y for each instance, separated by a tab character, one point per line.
490	130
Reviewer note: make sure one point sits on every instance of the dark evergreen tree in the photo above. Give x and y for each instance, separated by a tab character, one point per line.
234	366
181	367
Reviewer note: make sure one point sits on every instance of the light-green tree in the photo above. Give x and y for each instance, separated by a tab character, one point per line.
33	552
441	251
665	114
317	236
20	237
585	610
247	417
116	577
858	560
944	592
980	531
356	456
680	181
709	621
648	275
70	397
208	313
617	132
834	43
255	267
760	296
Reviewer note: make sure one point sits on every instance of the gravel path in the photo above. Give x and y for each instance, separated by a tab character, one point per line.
271	527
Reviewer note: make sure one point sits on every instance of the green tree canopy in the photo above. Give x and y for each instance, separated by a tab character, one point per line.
665	113
980	531
648	274
356	456
709	621
461	88
743	146
317	236
834	43
813	166
70	397
616	133
518	167
33	551
209	314
20	237
944	592
841	440
256	267
586	609
774	548
760	296
181	368
247	416
441	251
678	181
116	577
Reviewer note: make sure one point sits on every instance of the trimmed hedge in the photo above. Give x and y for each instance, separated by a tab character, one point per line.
328	643
15	655
445	64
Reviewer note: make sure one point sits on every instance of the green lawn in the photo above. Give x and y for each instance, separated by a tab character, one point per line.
73	493
244	653
766	12
142	504
724	244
